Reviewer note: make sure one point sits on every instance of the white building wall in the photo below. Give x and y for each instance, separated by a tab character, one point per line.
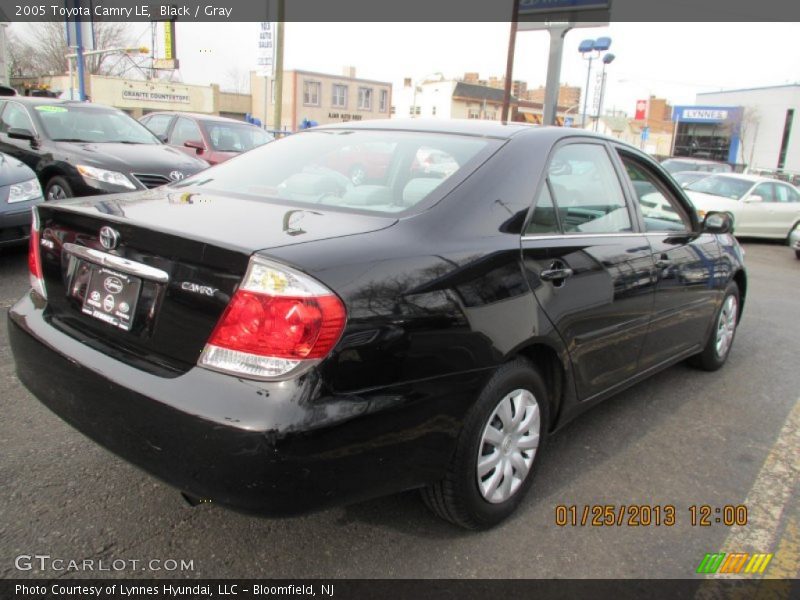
436	95
764	141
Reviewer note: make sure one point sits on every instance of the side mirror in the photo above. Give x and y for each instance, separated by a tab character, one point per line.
198	146
718	222
20	133
754	198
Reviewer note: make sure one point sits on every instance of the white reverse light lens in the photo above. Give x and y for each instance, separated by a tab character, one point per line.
278	280
244	364
24	191
111	177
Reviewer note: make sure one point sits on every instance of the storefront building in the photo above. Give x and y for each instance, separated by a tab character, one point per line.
708	132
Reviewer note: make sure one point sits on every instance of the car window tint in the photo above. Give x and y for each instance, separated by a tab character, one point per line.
544	218
158	124
185	130
587	191
15	116
660	210
766	191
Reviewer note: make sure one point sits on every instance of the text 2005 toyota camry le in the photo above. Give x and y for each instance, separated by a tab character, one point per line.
274	338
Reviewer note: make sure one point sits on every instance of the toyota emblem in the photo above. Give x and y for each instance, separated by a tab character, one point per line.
109	238
176	175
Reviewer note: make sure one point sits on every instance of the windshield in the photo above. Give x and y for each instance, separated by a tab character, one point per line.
721	185
673	166
380	171
233	137
76	123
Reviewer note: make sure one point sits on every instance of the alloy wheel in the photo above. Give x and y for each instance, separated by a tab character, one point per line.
726	326
56	192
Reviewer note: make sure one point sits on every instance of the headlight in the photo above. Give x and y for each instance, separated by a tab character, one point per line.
26	190
112	177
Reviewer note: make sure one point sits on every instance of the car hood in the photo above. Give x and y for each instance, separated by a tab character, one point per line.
245	224
13	171
132	158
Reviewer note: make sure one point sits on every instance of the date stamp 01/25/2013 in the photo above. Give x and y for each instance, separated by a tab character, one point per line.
648	515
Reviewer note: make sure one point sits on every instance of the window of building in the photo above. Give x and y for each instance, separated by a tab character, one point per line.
339	96
661	211
383	101
311	93
473	113
587	191
365	98
433	111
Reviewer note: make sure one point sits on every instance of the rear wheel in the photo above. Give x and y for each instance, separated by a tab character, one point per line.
57	189
496	452
720	341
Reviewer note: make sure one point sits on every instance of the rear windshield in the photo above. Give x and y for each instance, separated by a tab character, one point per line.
233	137
76	123
375	171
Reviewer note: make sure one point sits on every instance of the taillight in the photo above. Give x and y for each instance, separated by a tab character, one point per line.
35	256
278	322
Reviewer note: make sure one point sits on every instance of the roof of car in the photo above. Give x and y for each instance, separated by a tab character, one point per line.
477	127
43	100
743	177
194	115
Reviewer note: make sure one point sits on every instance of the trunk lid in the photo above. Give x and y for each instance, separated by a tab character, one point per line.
179	257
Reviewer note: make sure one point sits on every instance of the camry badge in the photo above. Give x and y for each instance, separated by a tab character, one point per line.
176	175
109	238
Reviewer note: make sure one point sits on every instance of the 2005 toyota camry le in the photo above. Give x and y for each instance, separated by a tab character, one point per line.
270	336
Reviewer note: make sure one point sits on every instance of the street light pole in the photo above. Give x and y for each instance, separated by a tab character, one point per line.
607	60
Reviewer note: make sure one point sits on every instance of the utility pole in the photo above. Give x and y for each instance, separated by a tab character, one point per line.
512	42
279	69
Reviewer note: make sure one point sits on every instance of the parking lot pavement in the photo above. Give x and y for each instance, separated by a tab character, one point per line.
682	438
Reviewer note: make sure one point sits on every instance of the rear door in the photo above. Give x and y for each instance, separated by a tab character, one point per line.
686	263
589	265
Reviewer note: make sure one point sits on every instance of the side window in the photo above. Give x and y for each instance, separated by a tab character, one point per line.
587	191
783	193
159	124
545	215
766	191
15	116
660	209
185	131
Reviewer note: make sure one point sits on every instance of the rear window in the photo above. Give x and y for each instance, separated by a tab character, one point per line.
374	171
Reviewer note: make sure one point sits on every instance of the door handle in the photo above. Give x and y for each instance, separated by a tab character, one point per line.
555	274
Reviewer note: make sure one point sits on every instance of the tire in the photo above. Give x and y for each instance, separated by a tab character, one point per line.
458	497
57	188
713	357
797	254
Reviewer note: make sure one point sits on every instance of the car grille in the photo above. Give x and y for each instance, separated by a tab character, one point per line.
151	180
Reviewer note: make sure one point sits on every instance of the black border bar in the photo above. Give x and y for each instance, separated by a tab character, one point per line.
410	10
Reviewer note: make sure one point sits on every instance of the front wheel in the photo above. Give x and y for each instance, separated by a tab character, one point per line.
57	189
496	452
720	341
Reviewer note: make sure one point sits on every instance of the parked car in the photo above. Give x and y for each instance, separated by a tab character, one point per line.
794	240
281	340
215	139
19	192
759	207
675	165
83	149
685	178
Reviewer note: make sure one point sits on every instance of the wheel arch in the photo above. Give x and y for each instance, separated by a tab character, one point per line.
552	368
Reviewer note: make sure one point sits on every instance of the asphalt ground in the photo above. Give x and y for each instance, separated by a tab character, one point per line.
682	438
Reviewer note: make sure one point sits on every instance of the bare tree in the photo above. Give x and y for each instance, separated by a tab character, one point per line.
40	49
237	80
748	133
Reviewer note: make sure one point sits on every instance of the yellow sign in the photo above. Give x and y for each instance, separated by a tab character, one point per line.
169	48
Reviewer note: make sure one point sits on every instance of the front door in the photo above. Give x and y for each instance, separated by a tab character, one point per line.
589	266
687	265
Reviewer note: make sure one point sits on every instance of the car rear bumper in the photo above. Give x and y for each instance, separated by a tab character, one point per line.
278	448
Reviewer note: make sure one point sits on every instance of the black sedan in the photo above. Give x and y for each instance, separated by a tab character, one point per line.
19	192
84	149
271	337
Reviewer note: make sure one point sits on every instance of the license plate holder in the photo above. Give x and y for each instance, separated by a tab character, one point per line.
111	297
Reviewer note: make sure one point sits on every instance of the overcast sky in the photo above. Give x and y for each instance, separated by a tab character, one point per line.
672	60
